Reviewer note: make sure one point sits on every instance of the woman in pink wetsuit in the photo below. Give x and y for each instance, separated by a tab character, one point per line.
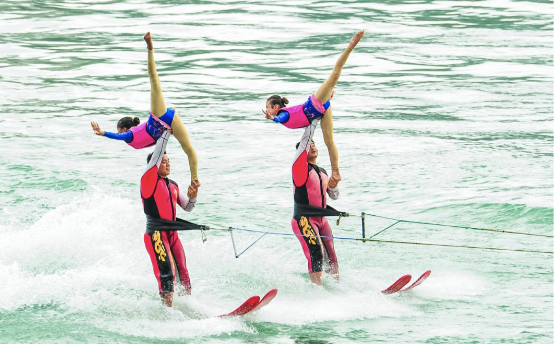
317	106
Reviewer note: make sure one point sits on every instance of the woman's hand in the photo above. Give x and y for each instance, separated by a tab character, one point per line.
193	190
96	129
335	179
196	183
332	183
268	115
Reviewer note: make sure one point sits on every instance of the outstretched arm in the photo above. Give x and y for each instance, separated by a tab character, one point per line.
300	164
281	117
126	136
159	152
150	176
96	129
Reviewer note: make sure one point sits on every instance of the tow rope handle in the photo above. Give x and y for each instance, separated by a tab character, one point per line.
340	217
204	238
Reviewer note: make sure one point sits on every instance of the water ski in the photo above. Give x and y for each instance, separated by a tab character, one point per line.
254	303
403	281
420	280
266	299
398	285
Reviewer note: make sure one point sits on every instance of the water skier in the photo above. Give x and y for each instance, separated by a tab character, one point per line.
160	197
317	106
161	118
311	187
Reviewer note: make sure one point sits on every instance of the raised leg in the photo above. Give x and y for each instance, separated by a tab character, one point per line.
324	91
182	136
327	128
157	103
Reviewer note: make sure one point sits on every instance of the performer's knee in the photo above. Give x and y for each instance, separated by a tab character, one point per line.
335	75
328	139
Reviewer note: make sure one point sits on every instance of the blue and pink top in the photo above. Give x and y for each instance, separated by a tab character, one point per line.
301	115
145	134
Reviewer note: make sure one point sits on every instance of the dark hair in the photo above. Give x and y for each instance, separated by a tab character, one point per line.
128	122
150	157
275	99
298	144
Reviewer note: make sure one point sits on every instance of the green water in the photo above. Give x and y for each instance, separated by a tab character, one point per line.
443	114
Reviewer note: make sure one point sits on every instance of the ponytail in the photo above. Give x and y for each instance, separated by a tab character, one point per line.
128	122
275	99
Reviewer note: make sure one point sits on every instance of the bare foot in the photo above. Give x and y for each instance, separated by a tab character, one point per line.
316	277
334	272
148	40
357	37
183	290
167	299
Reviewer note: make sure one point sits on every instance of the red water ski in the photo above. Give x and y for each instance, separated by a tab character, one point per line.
399	284
266	299
419	280
246	307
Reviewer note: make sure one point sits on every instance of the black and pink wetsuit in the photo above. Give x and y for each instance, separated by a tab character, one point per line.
160	197
310	187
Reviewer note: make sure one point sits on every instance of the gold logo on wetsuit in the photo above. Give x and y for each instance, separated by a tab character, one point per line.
176	196
307	230
158	246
